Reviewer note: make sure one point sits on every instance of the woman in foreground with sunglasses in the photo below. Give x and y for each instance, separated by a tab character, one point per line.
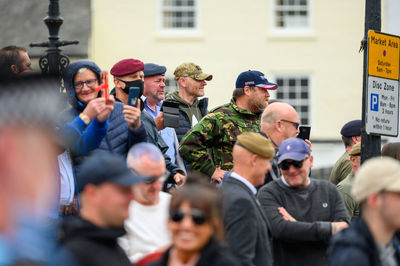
196	227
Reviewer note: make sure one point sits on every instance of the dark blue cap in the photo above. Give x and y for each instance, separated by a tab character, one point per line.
254	78
104	167
294	149
151	69
351	129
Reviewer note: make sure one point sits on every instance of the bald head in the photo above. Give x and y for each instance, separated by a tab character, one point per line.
279	120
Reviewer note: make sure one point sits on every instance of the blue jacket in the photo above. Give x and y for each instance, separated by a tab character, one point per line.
355	246
113	135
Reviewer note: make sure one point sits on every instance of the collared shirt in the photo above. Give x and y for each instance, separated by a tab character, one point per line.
168	133
286	184
245	181
67	179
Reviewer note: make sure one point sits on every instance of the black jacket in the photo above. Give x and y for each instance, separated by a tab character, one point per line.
213	254
355	246
92	245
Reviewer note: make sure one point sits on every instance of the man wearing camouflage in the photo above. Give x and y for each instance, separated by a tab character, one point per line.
207	148
191	82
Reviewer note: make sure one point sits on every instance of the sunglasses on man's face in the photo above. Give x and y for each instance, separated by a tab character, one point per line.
198	217
152	179
285	165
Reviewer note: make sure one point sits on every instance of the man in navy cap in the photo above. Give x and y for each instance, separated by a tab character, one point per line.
153	96
351	135
303	213
105	187
218	130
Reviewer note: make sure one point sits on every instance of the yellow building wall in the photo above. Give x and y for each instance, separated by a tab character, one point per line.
235	35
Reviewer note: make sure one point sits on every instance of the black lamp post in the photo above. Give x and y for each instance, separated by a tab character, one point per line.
53	62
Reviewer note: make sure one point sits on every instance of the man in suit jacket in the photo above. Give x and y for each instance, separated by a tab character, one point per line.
245	223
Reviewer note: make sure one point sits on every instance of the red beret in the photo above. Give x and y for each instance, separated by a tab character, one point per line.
126	67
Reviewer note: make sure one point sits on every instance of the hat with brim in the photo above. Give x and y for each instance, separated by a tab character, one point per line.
269	86
293	149
104	167
203	76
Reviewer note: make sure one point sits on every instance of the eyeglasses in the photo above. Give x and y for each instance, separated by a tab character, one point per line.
285	165
152	179
90	83
198	217
296	125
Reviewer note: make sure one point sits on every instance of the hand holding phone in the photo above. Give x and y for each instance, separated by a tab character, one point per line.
304	132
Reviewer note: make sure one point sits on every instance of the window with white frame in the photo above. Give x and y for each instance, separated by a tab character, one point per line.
291	14
170	85
179	14
295	90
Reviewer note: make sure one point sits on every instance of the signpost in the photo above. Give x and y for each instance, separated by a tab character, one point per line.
382	114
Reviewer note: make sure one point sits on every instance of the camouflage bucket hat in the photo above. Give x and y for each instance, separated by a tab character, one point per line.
191	70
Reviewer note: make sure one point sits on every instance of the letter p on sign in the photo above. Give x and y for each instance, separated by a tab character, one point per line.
374	102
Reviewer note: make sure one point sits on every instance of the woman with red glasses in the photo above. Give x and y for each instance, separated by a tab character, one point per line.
196	228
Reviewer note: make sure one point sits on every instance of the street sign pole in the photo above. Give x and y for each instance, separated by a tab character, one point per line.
370	144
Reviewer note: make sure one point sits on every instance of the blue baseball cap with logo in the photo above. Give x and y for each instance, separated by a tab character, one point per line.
294	149
254	78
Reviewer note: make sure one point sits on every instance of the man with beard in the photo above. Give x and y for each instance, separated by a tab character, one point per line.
218	130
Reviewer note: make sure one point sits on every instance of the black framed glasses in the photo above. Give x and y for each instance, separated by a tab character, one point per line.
90	83
296	125
285	165
198	216
152	179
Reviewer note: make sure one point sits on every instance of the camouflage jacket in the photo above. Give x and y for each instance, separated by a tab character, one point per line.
210	142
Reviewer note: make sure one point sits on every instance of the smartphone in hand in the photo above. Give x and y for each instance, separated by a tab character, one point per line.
304	132
133	96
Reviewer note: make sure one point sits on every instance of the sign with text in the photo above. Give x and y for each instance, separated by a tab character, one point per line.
383	106
383	55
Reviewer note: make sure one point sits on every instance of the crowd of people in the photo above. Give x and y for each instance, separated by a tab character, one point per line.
106	182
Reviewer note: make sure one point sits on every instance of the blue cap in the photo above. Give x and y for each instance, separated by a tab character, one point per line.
294	149
254	78
104	167
351	129
151	69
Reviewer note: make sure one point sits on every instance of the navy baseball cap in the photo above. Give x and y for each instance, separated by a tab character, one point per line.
294	149
151	69
104	167
254	78
351	129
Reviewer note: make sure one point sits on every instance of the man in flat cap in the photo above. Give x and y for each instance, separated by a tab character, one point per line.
153	96
191	81
207	148
371	239
245	224
351	134
346	184
105	187
303	213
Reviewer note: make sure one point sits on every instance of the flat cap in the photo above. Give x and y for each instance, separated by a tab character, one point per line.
126	67
104	167
376	175
191	70
256	143
151	69
351	129
356	150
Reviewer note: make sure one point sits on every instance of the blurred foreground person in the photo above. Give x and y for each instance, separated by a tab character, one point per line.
371	239
28	163
245	223
105	192
146	227
391	149
196	228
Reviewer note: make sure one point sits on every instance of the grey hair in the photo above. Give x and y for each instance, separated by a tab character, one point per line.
145	149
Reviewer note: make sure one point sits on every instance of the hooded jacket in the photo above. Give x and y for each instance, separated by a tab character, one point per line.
92	245
186	112
113	135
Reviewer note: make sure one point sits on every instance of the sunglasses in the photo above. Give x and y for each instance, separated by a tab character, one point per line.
285	165
198	217
152	179
296	125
